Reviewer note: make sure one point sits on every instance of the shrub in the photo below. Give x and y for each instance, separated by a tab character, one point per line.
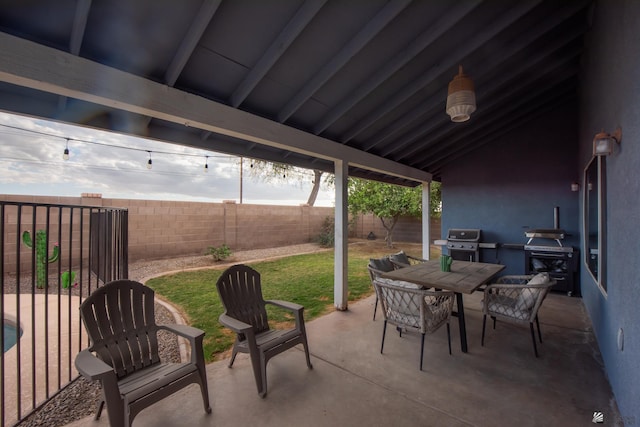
326	238
219	253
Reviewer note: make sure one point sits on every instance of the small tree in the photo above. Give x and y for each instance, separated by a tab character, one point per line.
387	202
435	199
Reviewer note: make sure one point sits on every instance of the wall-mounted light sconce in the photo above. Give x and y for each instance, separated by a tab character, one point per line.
461	97
575	186
603	142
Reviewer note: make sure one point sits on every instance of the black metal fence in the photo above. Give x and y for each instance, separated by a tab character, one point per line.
53	256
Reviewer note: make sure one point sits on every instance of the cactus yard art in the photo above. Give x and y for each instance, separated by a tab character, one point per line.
68	279
41	250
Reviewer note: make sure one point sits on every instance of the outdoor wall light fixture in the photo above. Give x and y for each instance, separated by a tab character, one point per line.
149	162
206	164
603	142
461	97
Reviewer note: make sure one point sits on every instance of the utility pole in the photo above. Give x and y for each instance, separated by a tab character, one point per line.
241	180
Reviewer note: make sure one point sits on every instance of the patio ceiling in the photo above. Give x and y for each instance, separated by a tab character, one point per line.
295	81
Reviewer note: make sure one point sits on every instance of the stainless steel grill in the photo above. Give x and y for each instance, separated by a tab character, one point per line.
464	244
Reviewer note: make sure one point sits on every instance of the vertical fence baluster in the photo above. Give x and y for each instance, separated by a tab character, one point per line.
3	408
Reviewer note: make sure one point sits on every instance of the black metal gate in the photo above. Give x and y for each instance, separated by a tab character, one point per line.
53	257
108	254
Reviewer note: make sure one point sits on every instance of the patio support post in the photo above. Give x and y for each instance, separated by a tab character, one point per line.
426	219
340	287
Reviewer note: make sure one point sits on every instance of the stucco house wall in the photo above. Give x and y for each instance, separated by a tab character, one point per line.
610	97
514	184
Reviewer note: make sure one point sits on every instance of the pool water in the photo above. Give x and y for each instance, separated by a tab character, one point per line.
11	335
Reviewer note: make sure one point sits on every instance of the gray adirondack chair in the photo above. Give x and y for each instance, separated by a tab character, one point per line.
245	313
119	319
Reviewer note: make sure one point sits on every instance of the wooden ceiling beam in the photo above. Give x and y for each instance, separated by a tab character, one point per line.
348	51
451	60
39	67
511	50
289	33
441	26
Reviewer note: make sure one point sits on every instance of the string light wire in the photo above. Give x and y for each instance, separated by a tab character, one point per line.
104	144
149	164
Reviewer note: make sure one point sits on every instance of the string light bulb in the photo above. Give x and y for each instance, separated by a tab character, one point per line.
206	164
65	154
150	162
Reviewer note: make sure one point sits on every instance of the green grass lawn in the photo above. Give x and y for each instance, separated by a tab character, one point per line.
303	279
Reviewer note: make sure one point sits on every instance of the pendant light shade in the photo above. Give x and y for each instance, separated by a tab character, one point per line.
461	97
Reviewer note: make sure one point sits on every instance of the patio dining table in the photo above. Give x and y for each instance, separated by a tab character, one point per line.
464	278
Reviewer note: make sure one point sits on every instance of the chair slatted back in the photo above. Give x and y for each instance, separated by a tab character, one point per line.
240	291
120	321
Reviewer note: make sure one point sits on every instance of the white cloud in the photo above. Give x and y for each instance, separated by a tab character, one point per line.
115	165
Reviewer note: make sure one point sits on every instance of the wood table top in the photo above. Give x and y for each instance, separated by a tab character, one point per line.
464	277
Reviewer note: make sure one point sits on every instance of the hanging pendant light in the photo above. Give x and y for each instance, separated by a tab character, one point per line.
461	97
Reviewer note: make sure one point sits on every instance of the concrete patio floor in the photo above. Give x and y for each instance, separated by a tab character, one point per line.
500	384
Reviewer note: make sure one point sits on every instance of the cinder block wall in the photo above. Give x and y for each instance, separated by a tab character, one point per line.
163	229
408	229
160	229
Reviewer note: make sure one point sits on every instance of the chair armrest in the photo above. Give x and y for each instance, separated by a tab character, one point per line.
195	337
398	265
518	286
91	367
296	309
186	331
514	279
235	325
412	261
292	306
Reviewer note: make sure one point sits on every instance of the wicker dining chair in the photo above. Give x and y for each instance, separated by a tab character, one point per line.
414	309
119	319
516	299
401	259
240	291
376	267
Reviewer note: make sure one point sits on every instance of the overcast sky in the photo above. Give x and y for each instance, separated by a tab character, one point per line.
115	166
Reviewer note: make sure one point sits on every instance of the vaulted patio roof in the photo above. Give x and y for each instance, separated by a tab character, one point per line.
294	81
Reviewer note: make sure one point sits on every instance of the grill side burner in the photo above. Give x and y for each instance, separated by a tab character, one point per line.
464	244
